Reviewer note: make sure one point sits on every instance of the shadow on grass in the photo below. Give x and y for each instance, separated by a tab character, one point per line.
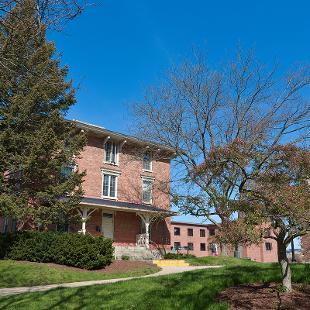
190	290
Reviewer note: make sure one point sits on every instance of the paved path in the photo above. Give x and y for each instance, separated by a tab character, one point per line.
41	288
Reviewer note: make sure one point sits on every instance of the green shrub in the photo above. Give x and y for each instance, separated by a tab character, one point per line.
125	257
178	256
32	246
6	240
82	251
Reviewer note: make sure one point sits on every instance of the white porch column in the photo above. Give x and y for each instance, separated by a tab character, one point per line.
84	217
146	220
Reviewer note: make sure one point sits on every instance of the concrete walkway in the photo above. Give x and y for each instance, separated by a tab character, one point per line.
41	288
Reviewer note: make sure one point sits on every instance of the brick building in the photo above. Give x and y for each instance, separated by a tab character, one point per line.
199	240
126	198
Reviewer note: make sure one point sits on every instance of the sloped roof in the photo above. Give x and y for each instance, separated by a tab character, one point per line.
123	205
118	135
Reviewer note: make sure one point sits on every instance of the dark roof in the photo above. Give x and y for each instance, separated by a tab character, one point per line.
104	131
193	224
122	204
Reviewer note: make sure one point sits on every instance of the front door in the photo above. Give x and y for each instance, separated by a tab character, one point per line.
107	225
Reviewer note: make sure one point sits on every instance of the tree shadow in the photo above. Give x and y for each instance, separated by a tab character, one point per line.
191	290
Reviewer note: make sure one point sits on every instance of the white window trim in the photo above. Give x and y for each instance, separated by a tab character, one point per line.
109	172
151	179
116	155
151	162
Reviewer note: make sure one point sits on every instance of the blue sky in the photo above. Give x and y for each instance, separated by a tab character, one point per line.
117	48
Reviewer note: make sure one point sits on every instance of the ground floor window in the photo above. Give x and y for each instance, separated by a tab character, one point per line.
190	246
177	245
202	246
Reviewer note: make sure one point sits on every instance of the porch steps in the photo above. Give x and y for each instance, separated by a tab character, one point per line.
170	263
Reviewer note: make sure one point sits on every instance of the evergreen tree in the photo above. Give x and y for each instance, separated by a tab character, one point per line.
37	144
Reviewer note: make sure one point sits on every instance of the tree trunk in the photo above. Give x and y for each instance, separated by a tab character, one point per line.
223	249
285	267
293	251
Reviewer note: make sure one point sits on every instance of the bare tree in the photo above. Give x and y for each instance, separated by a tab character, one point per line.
51	13
202	113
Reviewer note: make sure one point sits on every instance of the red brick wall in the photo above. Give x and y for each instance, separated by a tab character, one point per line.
131	172
305	244
184	239
129	188
259	252
255	252
126	226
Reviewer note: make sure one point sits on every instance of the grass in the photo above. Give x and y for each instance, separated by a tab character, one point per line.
190	290
218	260
14	273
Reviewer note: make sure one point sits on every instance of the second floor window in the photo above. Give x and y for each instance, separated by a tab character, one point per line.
110	155
147	190
109	185
177	231
202	233
211	231
190	232
147	161
268	246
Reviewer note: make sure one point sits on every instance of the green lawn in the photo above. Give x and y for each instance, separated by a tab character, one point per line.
218	260
13	273
191	290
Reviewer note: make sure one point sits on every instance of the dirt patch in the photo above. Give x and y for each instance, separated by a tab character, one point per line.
267	297
118	266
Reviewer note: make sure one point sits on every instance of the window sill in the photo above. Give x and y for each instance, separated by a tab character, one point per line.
111	164
146	170
147	203
108	197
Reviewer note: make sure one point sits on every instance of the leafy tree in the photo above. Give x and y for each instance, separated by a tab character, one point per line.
278	198
37	144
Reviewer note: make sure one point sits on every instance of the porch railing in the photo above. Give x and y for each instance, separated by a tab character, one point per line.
142	240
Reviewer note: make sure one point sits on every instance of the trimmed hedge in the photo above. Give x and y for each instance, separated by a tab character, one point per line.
82	251
178	256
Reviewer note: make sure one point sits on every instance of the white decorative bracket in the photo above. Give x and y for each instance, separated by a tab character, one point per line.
85	213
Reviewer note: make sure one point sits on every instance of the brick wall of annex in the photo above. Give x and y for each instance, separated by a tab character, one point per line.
255	252
305	245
